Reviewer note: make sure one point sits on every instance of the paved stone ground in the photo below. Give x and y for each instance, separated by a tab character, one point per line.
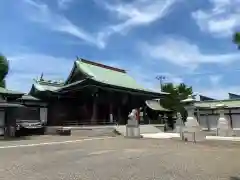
119	159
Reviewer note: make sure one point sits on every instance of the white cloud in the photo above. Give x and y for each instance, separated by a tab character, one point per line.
181	52
25	67
215	79
138	13
218	92
129	15
41	13
221	20
64	4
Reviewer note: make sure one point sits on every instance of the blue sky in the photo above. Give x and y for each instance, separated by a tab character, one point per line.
187	41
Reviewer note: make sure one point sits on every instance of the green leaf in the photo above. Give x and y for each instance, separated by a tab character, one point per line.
236	38
3	83
4	67
176	94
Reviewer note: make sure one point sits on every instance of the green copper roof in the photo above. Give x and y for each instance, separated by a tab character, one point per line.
27	97
111	76
46	86
88	72
212	104
42	87
155	105
9	92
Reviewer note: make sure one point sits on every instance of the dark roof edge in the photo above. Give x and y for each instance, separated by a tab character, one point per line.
103	65
71	72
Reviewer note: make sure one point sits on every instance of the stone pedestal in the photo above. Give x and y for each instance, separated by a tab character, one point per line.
132	129
223	126
192	130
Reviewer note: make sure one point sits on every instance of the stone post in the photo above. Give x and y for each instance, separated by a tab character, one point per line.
223	126
192	130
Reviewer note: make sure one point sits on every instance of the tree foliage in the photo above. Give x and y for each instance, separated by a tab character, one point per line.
236	39
4	67
176	93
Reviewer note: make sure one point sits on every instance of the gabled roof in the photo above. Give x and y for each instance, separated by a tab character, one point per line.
97	73
27	97
44	86
108	75
155	105
205	98
233	96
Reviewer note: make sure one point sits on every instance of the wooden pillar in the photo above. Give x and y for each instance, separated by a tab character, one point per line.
94	112
230	115
198	115
207	122
111	117
145	114
2	122
119	120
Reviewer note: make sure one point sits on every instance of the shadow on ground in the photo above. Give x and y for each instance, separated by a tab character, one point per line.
234	178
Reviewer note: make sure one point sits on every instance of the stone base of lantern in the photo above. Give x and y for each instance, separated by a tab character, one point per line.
178	129
224	132
223	128
193	134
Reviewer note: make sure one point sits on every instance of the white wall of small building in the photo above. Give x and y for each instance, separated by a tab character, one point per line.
208	119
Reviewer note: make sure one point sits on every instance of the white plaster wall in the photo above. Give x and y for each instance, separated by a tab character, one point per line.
2	122
203	122
235	111
236	121
213	119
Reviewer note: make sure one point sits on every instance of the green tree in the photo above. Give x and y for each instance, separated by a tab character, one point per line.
4	67
176	94
236	39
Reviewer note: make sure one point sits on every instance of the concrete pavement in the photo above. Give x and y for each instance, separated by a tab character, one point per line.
118	158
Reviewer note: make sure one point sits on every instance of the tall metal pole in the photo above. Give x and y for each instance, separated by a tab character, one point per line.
161	78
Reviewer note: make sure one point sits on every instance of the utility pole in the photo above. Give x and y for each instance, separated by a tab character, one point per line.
161	78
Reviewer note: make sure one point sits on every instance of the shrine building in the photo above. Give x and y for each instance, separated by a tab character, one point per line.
93	93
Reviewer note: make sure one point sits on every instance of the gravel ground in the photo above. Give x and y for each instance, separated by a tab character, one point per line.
121	159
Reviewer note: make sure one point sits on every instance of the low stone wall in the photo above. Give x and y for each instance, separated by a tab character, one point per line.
83	131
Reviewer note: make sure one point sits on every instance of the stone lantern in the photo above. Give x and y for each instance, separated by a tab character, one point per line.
191	123
223	126
192	130
179	125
